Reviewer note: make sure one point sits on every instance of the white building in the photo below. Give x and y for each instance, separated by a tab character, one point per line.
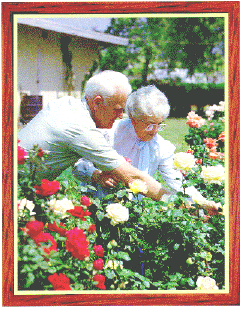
42	46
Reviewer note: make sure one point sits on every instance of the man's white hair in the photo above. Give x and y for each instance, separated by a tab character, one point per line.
147	101
106	84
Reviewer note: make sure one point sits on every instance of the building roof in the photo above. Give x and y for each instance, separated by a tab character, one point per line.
48	24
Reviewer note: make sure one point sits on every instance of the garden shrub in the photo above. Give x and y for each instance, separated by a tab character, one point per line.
70	240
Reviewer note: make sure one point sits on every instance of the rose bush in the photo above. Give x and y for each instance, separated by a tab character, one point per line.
70	240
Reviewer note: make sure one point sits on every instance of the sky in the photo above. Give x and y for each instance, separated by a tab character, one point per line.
92	23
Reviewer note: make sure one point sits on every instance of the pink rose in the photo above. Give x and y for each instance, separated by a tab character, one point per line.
21	155
85	201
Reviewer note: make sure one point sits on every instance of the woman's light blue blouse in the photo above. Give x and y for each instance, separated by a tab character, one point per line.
149	156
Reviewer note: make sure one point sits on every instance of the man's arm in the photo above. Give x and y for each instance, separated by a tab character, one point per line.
128	173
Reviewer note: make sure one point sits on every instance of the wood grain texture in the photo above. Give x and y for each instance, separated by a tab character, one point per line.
98	299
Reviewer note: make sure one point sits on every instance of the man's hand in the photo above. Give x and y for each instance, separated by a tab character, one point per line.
105	179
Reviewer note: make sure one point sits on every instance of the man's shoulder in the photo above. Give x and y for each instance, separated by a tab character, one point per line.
64	102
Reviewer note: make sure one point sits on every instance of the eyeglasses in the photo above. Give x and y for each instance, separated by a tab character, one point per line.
150	127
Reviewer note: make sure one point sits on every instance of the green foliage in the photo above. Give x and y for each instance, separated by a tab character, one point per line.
192	43
164	245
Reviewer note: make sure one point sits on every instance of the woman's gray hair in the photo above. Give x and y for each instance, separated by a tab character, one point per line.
106	84
147	101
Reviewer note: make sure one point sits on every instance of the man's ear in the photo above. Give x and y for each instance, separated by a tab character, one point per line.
97	101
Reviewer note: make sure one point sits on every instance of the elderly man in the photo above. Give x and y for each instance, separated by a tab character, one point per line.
68	130
137	138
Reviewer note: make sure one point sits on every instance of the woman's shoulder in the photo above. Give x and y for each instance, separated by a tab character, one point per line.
165	146
121	125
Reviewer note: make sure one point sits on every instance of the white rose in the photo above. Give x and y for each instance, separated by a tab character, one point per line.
206	283
28	204
213	174
60	207
117	213
113	264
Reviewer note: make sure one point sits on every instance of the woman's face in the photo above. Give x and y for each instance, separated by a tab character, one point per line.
141	125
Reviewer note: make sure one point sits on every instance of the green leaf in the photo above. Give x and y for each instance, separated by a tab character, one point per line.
30	279
176	246
110	274
125	272
52	270
123	255
191	282
43	265
100	215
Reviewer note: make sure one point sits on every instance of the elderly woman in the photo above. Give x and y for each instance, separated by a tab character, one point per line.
137	138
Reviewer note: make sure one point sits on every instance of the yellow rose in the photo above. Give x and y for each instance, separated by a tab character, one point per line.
117	213
206	283
138	186
184	162
213	174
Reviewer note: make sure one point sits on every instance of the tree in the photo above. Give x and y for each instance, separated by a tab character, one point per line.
195	43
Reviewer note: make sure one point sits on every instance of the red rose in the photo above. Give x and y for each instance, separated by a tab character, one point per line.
34	228
85	201
77	243
21	155
190	151
54	227
59	282
79	212
91	228
47	188
199	161
98	264
101	280
43	237
40	153
99	251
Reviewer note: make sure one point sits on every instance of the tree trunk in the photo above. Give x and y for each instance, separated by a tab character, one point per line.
148	56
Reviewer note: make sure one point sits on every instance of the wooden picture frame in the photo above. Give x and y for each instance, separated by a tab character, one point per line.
129	299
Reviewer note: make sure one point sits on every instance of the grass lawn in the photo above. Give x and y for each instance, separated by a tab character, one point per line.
175	132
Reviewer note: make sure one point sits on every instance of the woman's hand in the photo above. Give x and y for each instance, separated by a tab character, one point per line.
105	179
212	208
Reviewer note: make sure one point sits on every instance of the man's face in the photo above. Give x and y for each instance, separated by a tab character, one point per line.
105	115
